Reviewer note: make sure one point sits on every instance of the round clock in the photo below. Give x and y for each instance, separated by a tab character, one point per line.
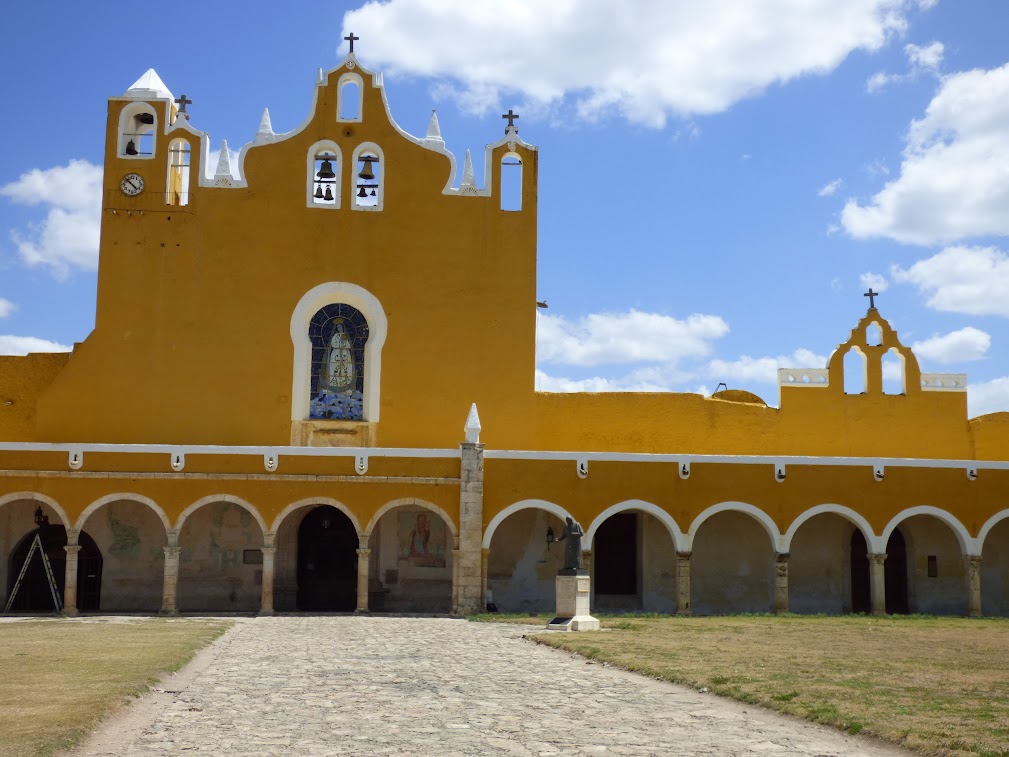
132	184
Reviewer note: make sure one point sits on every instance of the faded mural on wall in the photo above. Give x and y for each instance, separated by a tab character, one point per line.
422	539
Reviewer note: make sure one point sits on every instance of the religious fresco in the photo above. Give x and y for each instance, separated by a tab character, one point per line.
422	539
338	333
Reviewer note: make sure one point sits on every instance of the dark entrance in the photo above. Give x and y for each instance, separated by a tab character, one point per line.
895	572
861	600
34	595
327	562
615	554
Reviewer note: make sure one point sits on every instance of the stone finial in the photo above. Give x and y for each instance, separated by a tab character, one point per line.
434	128
319	80
149	85
265	133
468	185
472	427
223	162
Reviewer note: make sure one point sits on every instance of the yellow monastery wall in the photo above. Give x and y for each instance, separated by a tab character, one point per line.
22	381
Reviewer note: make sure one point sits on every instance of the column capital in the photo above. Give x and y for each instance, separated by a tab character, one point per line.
173	537
683	555
268	550
72	549
363	552
972	560
877	557
172	551
73	535
782	556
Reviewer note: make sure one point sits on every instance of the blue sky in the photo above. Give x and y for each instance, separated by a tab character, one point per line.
719	181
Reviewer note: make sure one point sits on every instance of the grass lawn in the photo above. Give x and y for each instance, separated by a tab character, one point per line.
935	685
58	677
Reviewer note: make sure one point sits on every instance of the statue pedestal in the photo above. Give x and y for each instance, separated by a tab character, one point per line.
573	593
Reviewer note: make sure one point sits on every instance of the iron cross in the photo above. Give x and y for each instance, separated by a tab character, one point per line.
352	39
511	118
872	296
182	102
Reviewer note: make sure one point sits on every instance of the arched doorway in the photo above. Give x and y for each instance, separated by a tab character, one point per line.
895	574
522	565
34	594
732	566
861	595
823	552
327	561
634	564
995	570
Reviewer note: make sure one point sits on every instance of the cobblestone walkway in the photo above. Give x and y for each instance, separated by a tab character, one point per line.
411	686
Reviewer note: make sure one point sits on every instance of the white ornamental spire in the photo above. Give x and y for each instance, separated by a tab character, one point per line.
434	128
223	162
472	427
468	181
265	133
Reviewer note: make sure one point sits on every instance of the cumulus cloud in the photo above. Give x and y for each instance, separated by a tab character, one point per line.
764	369
22	345
969	280
6	307
639	59
629	383
68	237
988	397
922	59
830	188
631	337
954	176
956	347
874	281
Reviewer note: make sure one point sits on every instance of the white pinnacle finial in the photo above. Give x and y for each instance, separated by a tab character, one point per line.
265	133
467	171
319	81
472	427
223	162
434	128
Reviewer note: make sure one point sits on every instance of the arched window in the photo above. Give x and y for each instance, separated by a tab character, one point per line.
323	185
893	372
137	127
338	333
349	98
511	182
178	172
855	381
369	177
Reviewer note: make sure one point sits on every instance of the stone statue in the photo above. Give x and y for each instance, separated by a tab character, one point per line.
341	361
573	549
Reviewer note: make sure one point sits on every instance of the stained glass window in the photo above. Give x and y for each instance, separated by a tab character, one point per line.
338	333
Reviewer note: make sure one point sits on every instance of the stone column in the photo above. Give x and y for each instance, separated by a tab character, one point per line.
972	565
70	578
266	601
467	593
363	563
781	582
169	605
877	582
683	583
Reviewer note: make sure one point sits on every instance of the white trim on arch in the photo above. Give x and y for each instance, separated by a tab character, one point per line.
213	498
324	146
312	302
406	502
316	502
125	496
40	498
381	179
678	537
968	545
525	504
988	526
845	512
742	507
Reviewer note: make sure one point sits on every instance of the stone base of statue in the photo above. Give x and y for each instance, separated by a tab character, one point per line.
573	591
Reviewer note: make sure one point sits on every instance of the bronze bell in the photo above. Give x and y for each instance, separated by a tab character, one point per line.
363	192
326	172
373	193
366	173
318	192
329	194
131	148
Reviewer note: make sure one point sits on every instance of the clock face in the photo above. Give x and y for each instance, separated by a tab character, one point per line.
132	184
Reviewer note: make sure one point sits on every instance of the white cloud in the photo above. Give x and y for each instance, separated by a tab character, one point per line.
988	397
68	237
6	307
630	383
764	369
634	336
22	345
879	80
925	57
954	178
873	281
970	280
640	59
830	188
958	346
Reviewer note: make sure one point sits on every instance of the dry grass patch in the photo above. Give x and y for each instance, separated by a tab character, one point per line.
935	685
59	677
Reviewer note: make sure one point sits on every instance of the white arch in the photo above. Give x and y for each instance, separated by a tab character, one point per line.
219	498
637	504
383	177
754	512
988	526
525	504
140	498
316	502
42	499
378	327
404	501
324	145
967	544
845	512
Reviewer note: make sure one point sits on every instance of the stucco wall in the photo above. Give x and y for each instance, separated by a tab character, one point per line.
944	594
405	586
995	571
819	570
521	569
131	539
732	566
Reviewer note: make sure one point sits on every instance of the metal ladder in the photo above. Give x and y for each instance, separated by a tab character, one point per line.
53	588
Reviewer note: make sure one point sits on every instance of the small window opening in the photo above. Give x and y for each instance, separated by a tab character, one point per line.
873	335
369	181
136	138
349	100
326	174
933	566
511	182
893	373
178	172
854	372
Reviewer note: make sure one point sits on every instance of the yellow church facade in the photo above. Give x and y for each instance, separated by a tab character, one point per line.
310	388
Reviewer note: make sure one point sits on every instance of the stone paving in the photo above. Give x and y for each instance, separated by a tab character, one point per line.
423	686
